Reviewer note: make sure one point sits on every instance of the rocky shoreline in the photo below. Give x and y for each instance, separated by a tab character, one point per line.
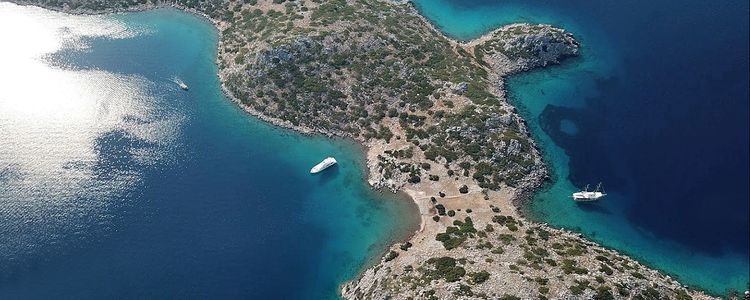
473	243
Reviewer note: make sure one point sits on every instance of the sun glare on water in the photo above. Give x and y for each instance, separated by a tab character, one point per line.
58	125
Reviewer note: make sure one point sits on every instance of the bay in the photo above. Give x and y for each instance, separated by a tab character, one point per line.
115	183
656	108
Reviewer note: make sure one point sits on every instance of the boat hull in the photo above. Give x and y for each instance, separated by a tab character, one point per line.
587	196
325	164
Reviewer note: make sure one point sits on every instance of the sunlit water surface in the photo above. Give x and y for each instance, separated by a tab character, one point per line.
114	183
58	128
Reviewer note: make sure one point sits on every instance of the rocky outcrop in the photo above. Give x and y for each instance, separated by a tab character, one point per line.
520	47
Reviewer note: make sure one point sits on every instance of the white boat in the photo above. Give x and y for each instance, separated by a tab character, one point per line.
585	195
181	84
329	161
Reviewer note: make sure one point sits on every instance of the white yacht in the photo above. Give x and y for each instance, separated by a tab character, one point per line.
585	195
181	84
329	161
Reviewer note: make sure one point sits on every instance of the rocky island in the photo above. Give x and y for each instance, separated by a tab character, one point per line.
434	118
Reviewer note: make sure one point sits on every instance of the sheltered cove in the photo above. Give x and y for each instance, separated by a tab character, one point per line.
433	115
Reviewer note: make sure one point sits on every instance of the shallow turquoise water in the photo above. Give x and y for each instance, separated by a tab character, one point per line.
656	107
114	183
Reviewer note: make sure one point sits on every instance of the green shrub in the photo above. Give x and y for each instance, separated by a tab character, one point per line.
581	285
455	274
576	290
445	267
506	238
454	236
449	242
441	209
575	251
467	226
463	290
406	246
603	293
479	277
544	234
442	262
541	281
484	245
622	290
540	252
570	266
648	293
463	189
391	255
414	179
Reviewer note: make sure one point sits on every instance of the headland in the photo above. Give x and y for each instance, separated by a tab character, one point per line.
434	118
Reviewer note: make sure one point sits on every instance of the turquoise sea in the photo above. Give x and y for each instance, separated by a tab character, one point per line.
656	108
114	183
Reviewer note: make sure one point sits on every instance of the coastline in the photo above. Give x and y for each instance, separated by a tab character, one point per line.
507	199
526	194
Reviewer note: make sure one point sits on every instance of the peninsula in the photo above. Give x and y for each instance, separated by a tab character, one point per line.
433	116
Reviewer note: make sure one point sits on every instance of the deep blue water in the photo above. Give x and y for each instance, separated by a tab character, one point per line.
656	108
116	184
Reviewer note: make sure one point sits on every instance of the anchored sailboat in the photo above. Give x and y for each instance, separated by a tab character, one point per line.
585	195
